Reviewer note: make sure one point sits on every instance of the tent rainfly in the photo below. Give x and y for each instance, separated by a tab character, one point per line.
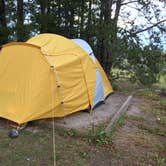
49	76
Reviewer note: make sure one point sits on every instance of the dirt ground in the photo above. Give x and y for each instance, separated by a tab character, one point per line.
139	140
84	120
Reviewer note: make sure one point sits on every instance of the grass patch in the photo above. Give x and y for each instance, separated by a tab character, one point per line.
99	136
163	103
152	130
118	123
125	85
148	94
137	118
158	110
160	161
161	148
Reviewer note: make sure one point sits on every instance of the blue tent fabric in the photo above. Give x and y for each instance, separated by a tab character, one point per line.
99	90
86	47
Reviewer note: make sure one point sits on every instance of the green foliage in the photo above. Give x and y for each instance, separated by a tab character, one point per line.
160	161
98	137
96	22
146	65
143	64
120	122
72	133
163	71
163	90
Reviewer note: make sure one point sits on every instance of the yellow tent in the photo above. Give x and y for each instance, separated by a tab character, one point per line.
48	76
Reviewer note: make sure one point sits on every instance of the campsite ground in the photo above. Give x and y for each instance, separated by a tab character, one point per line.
138	139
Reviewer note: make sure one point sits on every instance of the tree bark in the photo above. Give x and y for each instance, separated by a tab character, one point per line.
43	21
82	19
20	21
100	40
110	22
107	9
3	24
66	19
71	22
59	15
118	6
89	20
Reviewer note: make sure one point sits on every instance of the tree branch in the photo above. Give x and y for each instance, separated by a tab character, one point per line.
126	3
117	10
145	29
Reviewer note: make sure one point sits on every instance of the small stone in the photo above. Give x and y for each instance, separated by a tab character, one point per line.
13	133
28	159
158	119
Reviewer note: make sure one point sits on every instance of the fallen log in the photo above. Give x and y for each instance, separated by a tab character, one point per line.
117	115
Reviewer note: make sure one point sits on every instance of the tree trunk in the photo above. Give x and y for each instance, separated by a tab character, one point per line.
43	21
89	20
66	19
109	40
114	26
3	25
20	21
100	40
59	16
107	9
71	23
115	20
82	19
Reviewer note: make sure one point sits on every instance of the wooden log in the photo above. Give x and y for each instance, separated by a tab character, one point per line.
117	115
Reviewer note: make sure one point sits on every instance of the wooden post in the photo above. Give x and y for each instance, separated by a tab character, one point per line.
117	115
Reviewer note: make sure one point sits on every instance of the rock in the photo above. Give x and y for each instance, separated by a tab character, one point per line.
13	133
